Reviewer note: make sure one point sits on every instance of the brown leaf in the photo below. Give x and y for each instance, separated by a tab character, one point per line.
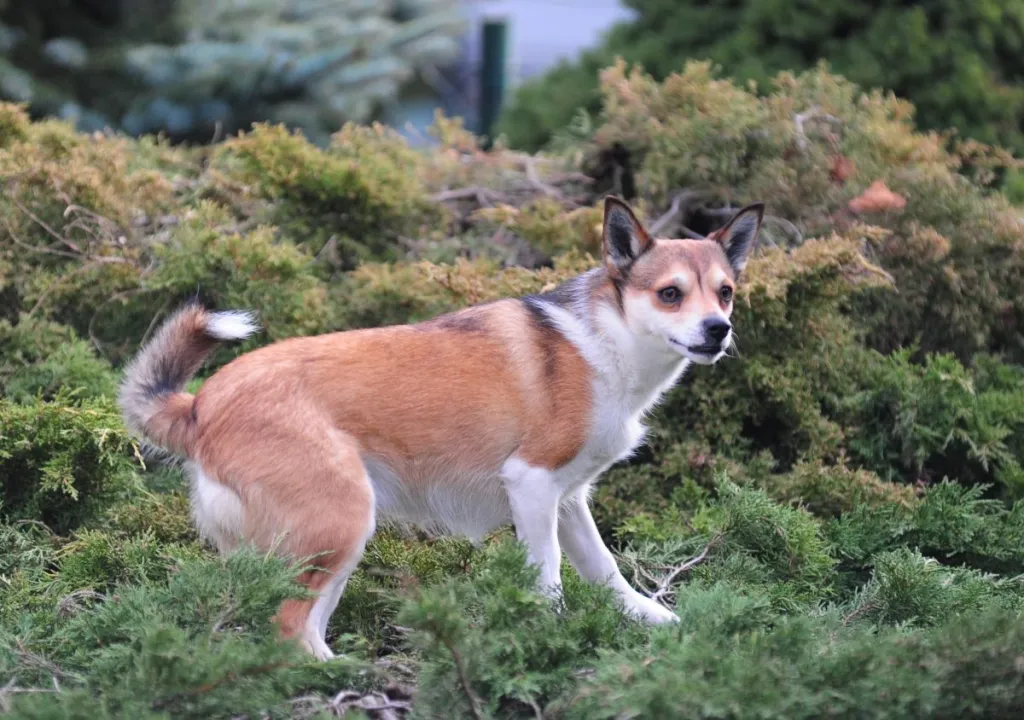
841	168
877	198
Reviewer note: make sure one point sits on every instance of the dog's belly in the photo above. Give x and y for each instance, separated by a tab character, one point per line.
441	500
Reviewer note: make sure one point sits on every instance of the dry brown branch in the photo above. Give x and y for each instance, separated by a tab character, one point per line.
814	113
460	667
530	163
375	704
677	206
793	230
480	194
42	249
41	223
214	684
11	689
124	294
665	584
70	604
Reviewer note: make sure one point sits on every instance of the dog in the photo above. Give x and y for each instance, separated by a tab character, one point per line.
502	412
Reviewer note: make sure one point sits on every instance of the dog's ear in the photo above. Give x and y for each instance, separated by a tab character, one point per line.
739	236
624	237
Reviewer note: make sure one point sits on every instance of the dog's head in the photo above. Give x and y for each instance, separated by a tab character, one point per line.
679	292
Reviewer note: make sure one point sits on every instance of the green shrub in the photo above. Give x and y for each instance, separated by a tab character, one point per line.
197	644
904	47
922	421
492	641
809	667
62	464
878	352
39	358
722	145
232	270
363	194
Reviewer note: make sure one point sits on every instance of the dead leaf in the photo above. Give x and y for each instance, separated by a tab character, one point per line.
877	198
841	169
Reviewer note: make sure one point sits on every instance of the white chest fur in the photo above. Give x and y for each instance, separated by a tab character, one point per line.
630	377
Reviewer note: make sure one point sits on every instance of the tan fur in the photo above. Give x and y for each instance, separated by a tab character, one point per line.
282	441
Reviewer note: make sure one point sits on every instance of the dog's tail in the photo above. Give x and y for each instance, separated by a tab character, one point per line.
152	396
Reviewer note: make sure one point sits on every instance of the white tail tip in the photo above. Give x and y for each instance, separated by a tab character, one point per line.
231	325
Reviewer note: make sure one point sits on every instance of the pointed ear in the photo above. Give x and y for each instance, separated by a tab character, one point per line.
624	237
739	236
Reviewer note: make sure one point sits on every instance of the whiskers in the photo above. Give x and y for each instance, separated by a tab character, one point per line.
731	350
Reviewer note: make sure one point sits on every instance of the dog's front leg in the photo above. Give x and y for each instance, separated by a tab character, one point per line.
594	561
533	498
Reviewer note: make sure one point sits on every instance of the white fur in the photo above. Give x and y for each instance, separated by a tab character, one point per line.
534	495
314	635
216	509
582	544
473	505
231	325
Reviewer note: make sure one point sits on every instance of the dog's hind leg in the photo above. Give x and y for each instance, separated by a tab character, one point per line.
315	504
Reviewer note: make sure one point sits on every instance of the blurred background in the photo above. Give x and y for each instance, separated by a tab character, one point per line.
198	70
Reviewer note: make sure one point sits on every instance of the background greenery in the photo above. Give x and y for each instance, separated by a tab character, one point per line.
834	514
199	69
958	62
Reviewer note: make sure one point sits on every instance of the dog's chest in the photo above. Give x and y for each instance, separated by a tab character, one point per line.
615	435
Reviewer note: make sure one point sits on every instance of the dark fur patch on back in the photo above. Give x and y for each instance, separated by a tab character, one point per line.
466	321
546	332
462	322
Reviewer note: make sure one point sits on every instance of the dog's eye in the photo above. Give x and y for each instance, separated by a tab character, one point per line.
670	295
725	293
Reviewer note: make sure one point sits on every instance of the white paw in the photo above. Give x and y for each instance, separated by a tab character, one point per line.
317	647
649	610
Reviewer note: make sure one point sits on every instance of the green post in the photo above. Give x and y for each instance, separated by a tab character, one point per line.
492	75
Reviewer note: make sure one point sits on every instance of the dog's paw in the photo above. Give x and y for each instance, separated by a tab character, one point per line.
650	611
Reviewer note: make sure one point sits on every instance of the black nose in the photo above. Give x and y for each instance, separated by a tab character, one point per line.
716	329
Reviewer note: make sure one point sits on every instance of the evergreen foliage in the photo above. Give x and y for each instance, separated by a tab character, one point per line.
959	63
195	69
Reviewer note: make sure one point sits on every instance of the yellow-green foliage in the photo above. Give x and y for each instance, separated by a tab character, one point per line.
62	463
42	358
808	147
364	192
231	270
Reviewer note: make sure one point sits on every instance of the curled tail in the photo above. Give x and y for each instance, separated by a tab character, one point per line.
152	396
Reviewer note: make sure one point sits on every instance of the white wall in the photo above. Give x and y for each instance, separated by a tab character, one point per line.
541	32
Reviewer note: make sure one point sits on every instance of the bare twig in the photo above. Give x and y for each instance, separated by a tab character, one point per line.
801	118
41	223
113	298
70	605
10	689
685	196
665	584
531	175
159	313
537	712
36	248
375	704
482	195
793	230
460	667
